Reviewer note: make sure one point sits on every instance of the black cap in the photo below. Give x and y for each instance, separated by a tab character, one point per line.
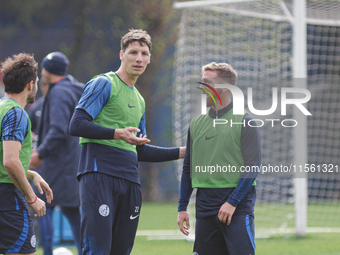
56	63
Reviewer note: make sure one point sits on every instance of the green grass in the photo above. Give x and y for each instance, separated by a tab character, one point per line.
172	247
71	248
162	216
158	216
313	244
278	215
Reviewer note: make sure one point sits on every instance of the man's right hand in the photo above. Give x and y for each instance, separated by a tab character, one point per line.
35	161
128	136
183	216
39	207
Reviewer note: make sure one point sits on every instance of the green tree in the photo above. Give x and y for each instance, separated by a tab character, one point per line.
89	32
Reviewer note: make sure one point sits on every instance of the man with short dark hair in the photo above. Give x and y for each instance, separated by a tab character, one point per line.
16	230
110	113
225	199
57	154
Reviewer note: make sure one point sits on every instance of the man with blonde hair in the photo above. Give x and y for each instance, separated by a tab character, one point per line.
109	114
225	198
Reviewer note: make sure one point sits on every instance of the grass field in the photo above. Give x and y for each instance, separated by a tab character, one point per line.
158	221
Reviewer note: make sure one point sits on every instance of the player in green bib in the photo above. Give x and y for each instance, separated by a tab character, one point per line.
110	119
16	229
222	161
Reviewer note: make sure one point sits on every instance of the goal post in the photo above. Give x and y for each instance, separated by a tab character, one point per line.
291	43
300	131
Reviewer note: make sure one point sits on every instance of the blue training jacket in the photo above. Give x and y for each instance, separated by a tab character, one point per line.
60	151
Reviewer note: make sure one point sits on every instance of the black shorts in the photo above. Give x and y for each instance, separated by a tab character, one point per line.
16	232
110	209
215	237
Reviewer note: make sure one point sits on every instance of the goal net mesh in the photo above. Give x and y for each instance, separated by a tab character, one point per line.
256	38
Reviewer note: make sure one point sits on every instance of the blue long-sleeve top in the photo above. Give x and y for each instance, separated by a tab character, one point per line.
81	125
108	159
60	151
209	200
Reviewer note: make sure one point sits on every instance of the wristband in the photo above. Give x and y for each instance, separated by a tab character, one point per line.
36	197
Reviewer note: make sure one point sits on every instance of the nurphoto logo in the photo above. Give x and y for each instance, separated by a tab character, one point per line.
238	104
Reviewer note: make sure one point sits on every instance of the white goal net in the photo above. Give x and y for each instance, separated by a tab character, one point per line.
256	38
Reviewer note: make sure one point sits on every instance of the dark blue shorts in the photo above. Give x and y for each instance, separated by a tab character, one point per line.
215	237
110	210
16	232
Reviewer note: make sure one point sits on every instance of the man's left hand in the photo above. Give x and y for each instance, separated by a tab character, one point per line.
226	213
41	185
35	160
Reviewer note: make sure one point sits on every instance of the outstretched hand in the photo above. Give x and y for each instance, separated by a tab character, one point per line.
127	134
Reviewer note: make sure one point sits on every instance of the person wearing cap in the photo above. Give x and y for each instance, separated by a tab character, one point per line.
57	154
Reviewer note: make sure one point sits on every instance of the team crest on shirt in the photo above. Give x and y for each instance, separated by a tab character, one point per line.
195	253
104	210
38	113
33	241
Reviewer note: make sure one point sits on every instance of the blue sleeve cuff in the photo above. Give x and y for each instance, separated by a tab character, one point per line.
182	207
233	201
151	153
243	187
185	193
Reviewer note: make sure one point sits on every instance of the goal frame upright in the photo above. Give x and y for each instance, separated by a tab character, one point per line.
299	66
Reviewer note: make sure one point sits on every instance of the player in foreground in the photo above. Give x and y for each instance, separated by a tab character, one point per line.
224	201
16	229
109	114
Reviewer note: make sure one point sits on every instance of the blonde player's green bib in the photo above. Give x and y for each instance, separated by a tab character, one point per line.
216	156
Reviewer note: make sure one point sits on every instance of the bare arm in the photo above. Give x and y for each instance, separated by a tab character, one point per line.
182	152
14	168
41	184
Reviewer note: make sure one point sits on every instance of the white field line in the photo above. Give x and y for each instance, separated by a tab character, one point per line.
175	234
158	232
